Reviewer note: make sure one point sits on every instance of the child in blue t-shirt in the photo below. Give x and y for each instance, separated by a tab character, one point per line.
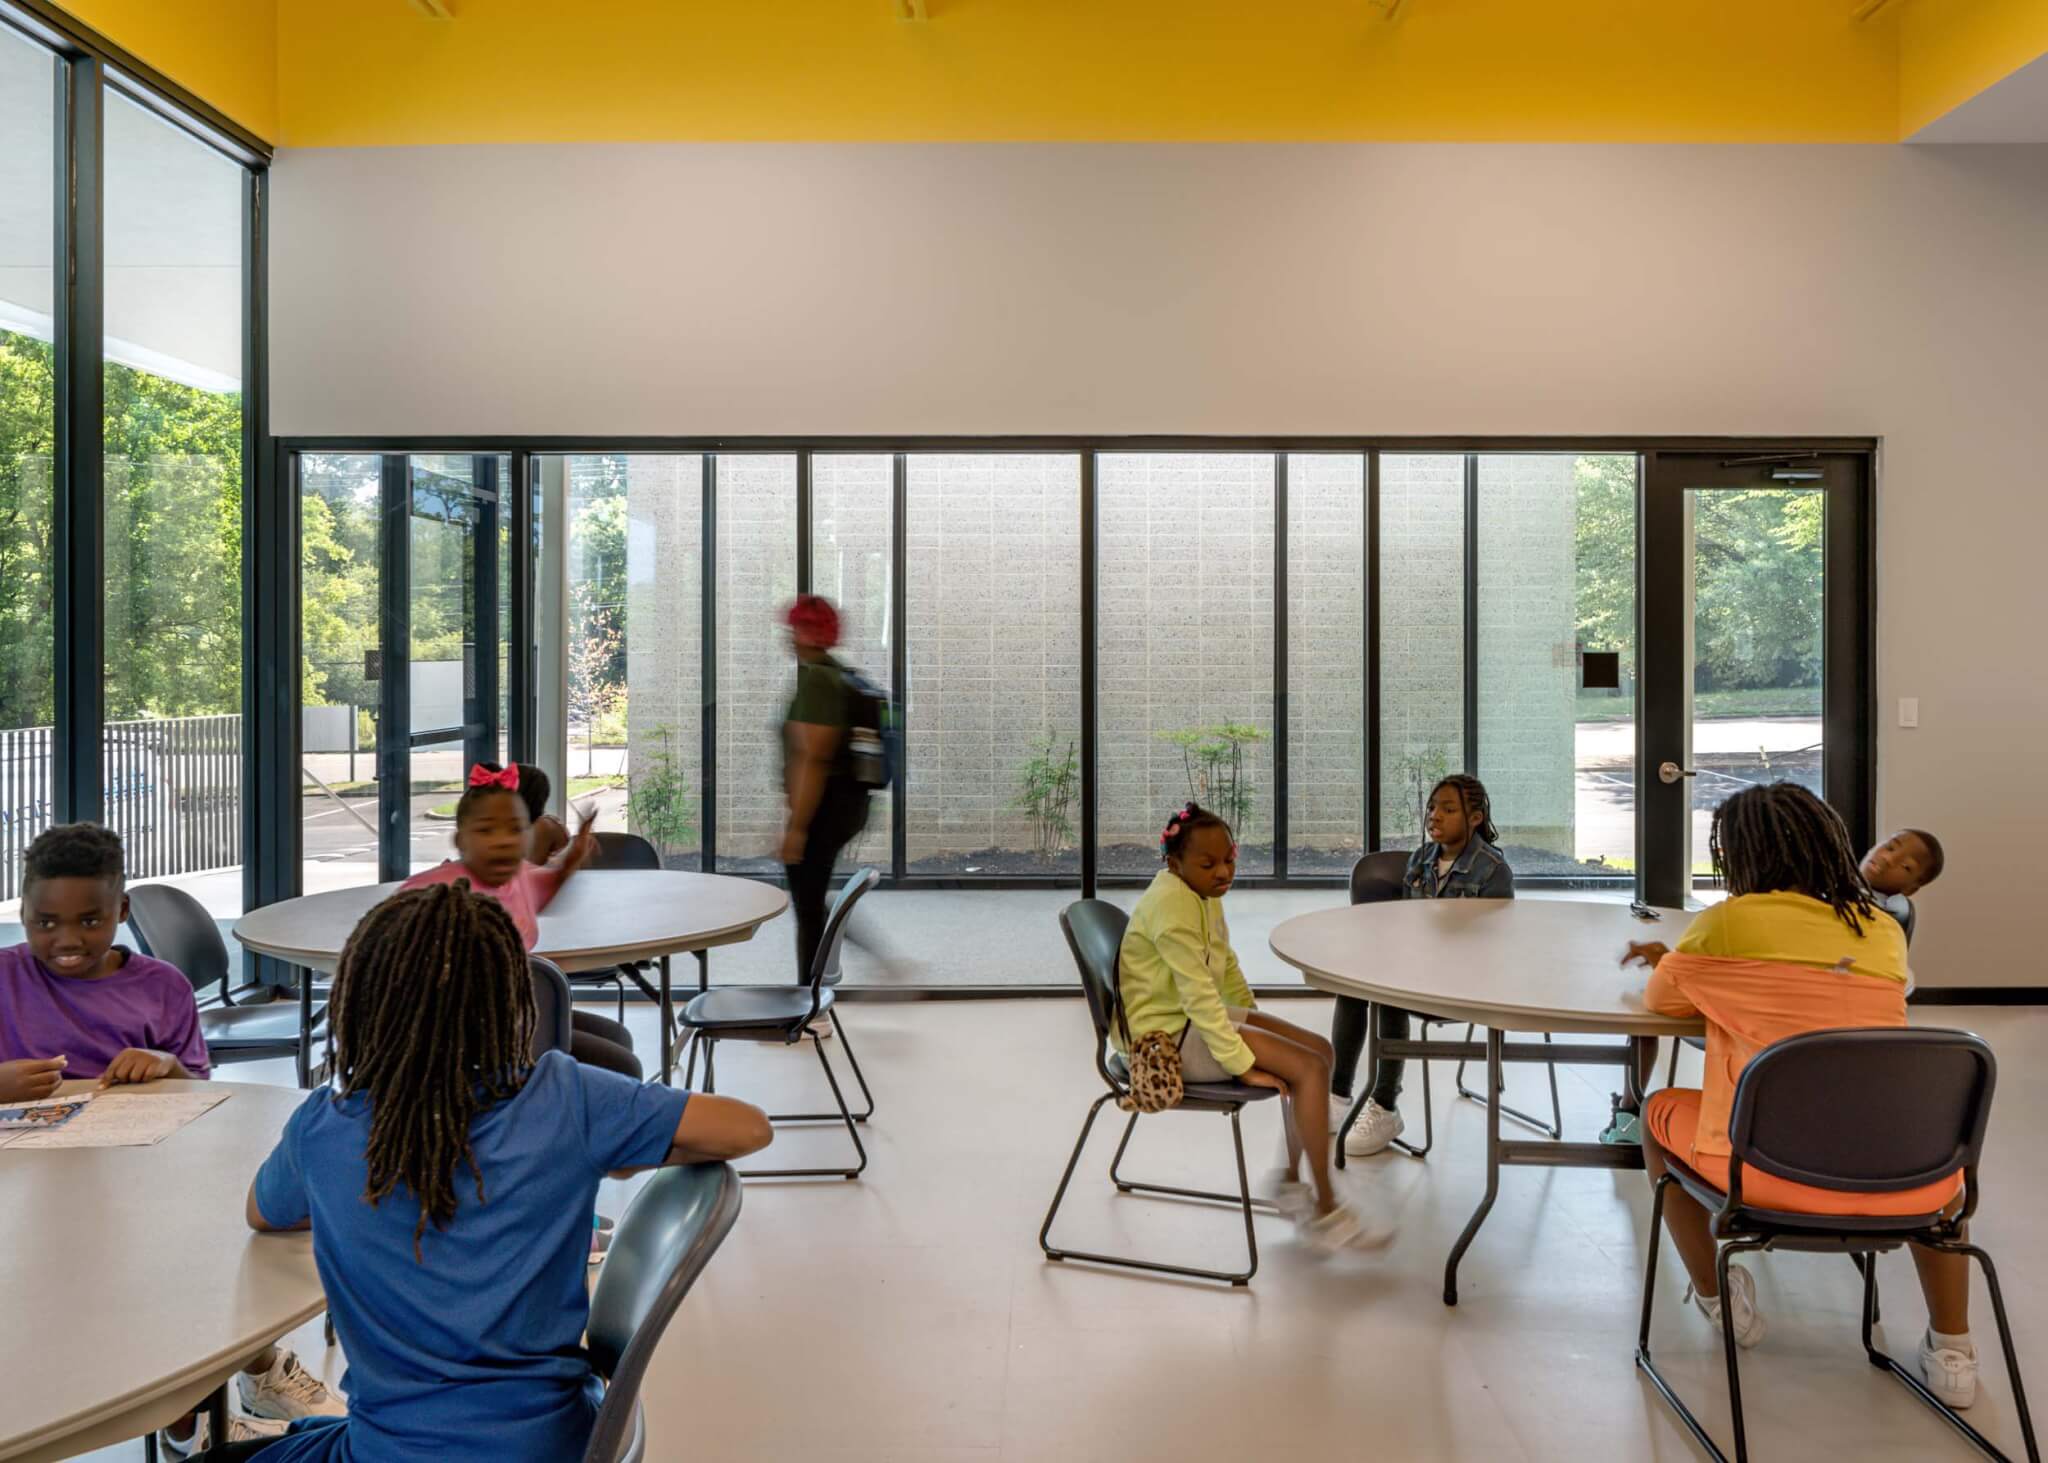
448	1179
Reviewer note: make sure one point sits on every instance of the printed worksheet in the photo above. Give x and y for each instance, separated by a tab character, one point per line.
117	1119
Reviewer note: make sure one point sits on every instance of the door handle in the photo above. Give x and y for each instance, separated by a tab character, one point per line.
1671	772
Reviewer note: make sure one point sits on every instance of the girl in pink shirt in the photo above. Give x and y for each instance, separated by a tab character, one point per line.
490	853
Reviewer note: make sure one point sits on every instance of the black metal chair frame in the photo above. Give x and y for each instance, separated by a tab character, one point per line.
228	1048
1863	1238
708	1030
1229	1098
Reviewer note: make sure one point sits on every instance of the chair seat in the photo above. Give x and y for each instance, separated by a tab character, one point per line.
753	1008
1745	1220
1201	1096
274	1023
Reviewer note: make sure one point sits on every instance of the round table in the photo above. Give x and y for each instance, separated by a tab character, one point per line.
601	919
133	1281
1539	965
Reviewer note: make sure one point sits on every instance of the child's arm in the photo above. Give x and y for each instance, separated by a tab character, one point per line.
140	1064
717	1129
1180	946
547	879
1499	882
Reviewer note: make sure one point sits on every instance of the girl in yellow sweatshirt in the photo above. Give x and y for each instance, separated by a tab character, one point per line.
1178	974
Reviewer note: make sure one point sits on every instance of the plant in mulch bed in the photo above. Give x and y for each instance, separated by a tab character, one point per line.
658	805
1415	772
1046	784
1214	759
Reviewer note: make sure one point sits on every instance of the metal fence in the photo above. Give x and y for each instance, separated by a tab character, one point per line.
173	793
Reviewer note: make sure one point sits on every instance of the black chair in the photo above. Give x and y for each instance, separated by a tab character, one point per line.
674	1226
1922	1099
617	851
553	1007
1095	933
785	1014
1380	878
1898	906
174	927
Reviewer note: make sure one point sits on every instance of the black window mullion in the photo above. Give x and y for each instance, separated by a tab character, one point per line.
804	571
1089	657
707	638
899	659
1281	681
1371	636
480	719
1471	656
521	735
394	669
78	490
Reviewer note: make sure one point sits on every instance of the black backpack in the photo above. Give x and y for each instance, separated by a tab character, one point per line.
874	740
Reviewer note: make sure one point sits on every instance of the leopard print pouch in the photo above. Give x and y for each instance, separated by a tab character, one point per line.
1155	1074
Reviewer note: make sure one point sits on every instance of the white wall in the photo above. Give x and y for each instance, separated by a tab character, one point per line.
1893	292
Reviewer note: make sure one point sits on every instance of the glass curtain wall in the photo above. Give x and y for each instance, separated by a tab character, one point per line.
755	558
28	80
853	522
339	667
1327	635
173	504
1422	635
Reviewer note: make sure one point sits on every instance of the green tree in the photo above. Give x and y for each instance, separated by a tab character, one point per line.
27	424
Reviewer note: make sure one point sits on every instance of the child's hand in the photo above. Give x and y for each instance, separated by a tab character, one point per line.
1253	1077
139	1065
33	1078
583	847
1648	952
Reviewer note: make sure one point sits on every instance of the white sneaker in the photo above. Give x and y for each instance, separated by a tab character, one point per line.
1951	1374
1749	1321
821	1026
287	1392
240	1430
1343	1228
1375	1129
1294	1199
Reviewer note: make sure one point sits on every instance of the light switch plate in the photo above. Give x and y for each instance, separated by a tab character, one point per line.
1909	711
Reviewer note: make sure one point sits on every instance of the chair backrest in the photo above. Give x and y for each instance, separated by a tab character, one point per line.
624	851
826	961
1378	876
1911	918
1095	933
667	1236
552	1006
175	927
1867	1110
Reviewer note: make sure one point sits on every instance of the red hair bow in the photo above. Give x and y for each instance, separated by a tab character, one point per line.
506	777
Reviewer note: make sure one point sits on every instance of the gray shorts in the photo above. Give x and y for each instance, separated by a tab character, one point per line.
1197	1062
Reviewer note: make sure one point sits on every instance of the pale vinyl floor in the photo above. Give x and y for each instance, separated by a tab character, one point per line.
909	1317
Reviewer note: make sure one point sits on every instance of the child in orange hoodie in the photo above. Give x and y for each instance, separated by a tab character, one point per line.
1798	946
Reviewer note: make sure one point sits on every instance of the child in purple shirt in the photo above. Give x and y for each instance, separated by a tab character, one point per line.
75	1004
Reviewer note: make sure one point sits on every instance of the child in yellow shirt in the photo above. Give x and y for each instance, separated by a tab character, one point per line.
1177	973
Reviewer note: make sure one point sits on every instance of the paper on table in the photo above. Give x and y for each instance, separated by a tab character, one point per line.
121	1120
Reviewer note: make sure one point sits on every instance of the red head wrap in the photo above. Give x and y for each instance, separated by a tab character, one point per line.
813	617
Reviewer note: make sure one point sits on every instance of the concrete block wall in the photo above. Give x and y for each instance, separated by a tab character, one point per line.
756	569
994	603
852	509
1528	660
664	615
1326	654
1186	630
1422	631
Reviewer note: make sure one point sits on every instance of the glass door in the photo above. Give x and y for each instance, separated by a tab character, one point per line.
441	658
1756	621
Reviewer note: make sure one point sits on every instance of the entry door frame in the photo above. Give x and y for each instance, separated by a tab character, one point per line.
1848	643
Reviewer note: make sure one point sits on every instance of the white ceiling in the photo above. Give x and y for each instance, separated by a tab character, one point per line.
2014	110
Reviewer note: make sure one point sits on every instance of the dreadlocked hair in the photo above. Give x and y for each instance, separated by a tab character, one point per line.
1477	804
433	1019
1190	818
1781	837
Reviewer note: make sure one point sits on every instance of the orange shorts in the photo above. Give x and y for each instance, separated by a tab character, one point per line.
1672	1117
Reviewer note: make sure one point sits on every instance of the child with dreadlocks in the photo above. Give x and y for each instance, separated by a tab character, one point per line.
1797	946
73	1003
1458	859
491	844
448	1179
1178	974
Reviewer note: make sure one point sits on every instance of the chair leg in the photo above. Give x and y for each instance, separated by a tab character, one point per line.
1553	1129
833	1117
619	981
1428	1114
1644	1362
690	1058
710	1064
1866	1266
844	1115
1729	1348
1913	1383
1671	1072
149	1454
1242	1200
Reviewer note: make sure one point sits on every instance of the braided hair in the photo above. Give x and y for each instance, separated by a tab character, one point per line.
1174	840
433	1018
1780	836
1478	806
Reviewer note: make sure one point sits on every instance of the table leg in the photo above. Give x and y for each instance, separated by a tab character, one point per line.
1372	1067
703	970
1494	1081
668	1025
1636	1044
217	1415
